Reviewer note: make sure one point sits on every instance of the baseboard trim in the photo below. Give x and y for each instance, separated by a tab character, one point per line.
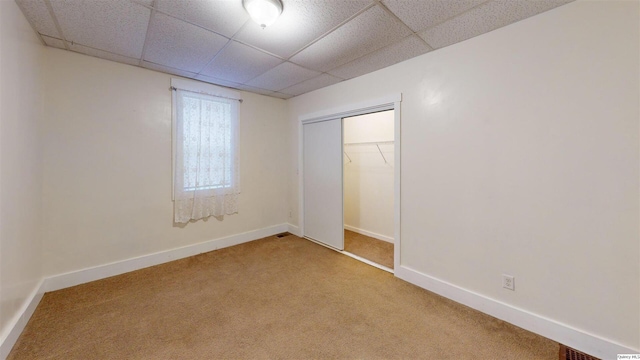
295	230
12	332
562	333
577	339
61	281
56	282
369	233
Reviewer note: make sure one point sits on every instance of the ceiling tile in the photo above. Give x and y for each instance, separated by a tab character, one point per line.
168	69
180	45
256	90
311	84
301	22
281	95
282	76
420	15
407	48
368	32
104	24
484	18
225	17
240	63
38	15
147	3
186	37
103	54
216	81
53	42
242	87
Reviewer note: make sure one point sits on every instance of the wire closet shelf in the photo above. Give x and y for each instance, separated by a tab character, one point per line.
368	143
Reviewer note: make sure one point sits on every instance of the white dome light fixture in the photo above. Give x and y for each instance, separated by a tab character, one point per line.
264	12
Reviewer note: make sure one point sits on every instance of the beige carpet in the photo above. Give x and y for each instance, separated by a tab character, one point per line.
273	298
378	251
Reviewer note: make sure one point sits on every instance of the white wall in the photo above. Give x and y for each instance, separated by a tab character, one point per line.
20	163
368	179
107	165
520	155
369	127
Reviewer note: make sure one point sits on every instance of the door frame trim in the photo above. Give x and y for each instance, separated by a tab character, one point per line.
390	102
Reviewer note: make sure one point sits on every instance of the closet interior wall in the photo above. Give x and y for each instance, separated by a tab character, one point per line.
368	174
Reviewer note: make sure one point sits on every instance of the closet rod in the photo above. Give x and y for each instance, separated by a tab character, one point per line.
370	143
376	143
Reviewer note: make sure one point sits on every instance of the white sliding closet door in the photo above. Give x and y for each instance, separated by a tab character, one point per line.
322	158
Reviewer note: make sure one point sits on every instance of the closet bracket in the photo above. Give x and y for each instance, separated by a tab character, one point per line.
345	153
384	158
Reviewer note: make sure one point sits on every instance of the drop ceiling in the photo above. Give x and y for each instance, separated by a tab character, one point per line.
314	43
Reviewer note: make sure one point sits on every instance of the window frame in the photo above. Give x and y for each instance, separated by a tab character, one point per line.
210	90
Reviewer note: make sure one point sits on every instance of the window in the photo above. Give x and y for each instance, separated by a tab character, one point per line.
204	141
206	172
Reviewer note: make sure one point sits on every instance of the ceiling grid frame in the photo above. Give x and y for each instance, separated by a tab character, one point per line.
40	36
385	8
332	30
241	35
47	3
146	36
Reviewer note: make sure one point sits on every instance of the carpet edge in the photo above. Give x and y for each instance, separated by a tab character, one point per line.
77	277
562	333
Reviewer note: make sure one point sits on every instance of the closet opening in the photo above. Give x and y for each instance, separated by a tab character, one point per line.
368	187
349	179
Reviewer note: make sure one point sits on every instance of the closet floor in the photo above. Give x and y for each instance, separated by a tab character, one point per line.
378	251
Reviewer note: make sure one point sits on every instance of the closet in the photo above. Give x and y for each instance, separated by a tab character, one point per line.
368	186
349	176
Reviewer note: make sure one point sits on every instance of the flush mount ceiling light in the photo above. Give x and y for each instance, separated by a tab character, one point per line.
264	12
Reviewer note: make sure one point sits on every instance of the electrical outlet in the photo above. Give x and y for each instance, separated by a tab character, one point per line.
508	282
289	214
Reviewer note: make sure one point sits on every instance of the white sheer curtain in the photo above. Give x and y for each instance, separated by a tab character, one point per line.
206	176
